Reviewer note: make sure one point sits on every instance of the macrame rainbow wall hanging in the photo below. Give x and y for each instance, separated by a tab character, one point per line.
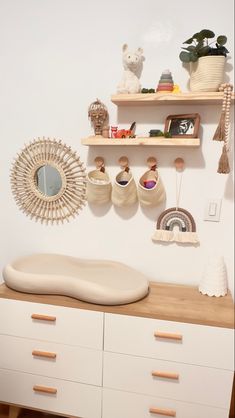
180	218
176	224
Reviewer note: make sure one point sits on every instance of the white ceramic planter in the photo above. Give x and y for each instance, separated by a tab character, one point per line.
207	73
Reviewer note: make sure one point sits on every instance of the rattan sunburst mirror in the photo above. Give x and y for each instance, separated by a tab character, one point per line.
48	181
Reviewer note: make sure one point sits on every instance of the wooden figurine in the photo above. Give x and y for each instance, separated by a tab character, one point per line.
98	115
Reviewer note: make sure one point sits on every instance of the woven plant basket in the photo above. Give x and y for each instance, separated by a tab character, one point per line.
98	187
207	73
154	196
124	195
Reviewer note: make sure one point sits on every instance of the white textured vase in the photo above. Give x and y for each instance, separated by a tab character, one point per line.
214	281
207	73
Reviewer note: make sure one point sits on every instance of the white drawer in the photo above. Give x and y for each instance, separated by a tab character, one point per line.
201	345
195	384
118	404
73	363
74	399
66	325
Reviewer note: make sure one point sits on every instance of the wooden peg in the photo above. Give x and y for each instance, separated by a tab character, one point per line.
152	163
124	163
179	164
99	163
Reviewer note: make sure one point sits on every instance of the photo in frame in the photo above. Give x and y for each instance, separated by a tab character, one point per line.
183	126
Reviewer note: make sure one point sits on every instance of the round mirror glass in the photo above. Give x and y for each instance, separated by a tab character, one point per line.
48	180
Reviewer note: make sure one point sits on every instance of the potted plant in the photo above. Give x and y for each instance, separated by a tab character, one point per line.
206	57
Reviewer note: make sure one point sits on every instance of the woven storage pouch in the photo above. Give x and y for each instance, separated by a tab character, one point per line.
154	196
207	73
98	187
124	194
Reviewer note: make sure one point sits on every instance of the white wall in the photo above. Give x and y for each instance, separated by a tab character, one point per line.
59	55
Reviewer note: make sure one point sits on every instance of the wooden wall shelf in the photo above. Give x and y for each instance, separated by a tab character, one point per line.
154	99
142	141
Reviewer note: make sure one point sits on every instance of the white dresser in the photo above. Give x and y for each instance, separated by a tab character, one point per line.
149	359
51	358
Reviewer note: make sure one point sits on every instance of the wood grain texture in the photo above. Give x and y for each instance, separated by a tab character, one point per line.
29	413
142	141
14	411
168	302
168	98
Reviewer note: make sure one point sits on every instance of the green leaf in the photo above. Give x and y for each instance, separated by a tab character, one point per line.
189	41
222	49
206	33
204	51
190	48
199	46
184	56
221	40
198	36
193	56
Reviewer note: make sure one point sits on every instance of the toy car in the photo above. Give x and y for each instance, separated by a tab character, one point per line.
126	133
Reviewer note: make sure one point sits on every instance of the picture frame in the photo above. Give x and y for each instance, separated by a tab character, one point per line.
183	125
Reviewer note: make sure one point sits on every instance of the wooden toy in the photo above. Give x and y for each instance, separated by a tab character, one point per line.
125	133
166	83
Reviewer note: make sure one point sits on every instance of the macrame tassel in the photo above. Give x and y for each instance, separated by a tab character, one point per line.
220	131
223	167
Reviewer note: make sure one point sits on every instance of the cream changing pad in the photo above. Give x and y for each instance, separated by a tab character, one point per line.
95	281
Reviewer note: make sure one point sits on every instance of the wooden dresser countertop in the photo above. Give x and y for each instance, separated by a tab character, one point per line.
168	302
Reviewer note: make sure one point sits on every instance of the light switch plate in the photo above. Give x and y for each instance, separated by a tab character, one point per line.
212	210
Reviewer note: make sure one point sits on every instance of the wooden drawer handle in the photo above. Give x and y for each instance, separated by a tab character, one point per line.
46	354
40	317
165	412
45	389
166	375
169	336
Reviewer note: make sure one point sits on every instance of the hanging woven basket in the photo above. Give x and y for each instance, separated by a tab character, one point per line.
98	187
151	196
124	192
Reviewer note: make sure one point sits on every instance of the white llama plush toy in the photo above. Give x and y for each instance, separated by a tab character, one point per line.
133	65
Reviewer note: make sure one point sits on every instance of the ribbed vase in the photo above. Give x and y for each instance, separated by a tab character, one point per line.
207	73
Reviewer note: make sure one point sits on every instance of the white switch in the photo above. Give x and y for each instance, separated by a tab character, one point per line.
212	210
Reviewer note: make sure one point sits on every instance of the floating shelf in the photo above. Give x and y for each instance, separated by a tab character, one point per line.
168	98
141	141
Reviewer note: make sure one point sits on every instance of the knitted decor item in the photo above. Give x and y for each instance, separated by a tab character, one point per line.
181	218
222	131
214	281
151	191
124	192
98	186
